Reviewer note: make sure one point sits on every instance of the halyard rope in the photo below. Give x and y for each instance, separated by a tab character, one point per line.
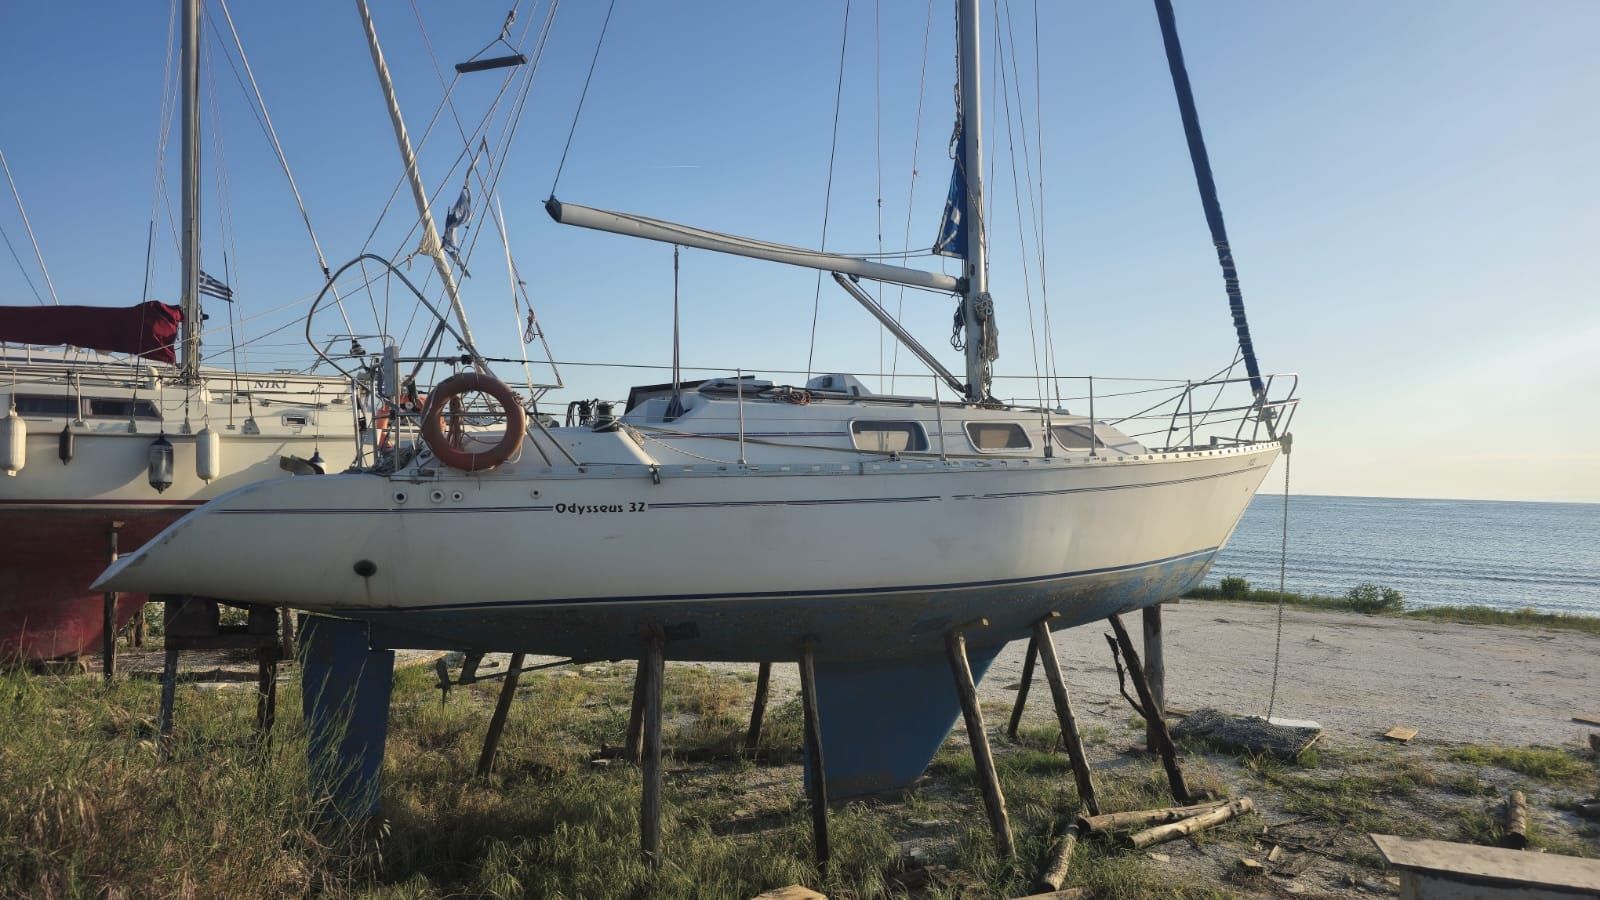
1283	568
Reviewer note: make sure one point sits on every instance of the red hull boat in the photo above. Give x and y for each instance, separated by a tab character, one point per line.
48	558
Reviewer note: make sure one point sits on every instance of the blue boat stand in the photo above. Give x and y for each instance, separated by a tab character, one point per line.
345	694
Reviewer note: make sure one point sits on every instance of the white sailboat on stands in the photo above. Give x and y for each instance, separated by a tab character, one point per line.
741	519
114	426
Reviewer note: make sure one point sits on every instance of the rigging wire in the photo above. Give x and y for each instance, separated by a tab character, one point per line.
467	144
1051	359
20	267
584	95
504	142
1016	197
1027	163
264	119
911	195
877	119
224	209
37	254
827	197
158	191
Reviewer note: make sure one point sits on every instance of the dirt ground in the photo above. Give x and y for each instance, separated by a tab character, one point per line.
1355	675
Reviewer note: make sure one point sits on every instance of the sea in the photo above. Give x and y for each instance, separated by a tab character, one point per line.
1543	556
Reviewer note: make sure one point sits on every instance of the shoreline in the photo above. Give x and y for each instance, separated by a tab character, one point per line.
1460	613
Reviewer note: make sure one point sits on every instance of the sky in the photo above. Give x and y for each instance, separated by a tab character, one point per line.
1409	189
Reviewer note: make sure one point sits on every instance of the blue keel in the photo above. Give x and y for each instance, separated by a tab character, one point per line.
883	721
345	695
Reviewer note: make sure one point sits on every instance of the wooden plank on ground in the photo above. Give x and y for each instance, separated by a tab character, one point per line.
1472	864
1400	733
1587	719
792	892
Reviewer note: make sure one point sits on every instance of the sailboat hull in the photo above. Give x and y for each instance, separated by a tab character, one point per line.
868	560
48	559
85	472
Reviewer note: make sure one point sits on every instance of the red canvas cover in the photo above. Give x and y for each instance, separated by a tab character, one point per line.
149	329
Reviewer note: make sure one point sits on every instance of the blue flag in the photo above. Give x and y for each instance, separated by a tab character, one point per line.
952	239
455	220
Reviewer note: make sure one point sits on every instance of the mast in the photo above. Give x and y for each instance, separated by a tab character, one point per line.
190	296
430	233
977	310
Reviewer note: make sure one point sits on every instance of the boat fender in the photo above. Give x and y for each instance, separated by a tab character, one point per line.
161	464
207	454
66	445
13	443
449	392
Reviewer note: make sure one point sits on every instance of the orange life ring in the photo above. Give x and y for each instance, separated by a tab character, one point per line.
444	444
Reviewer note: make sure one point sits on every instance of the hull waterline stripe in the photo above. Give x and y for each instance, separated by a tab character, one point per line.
766	595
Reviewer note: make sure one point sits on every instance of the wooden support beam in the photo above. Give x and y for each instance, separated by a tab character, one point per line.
633	742
1060	860
1184	827
502	709
652	671
1515	836
1141	817
169	687
1155	671
108	640
1152	714
286	632
266	691
994	800
1022	689
108	618
817	782
758	709
1068	722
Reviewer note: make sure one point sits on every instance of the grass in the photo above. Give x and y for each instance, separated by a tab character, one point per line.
1367	792
1360	600
1543	763
1523	618
88	806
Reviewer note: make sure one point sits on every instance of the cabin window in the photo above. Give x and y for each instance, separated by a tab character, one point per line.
296	419
889	437
114	407
45	405
991	436
1076	437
